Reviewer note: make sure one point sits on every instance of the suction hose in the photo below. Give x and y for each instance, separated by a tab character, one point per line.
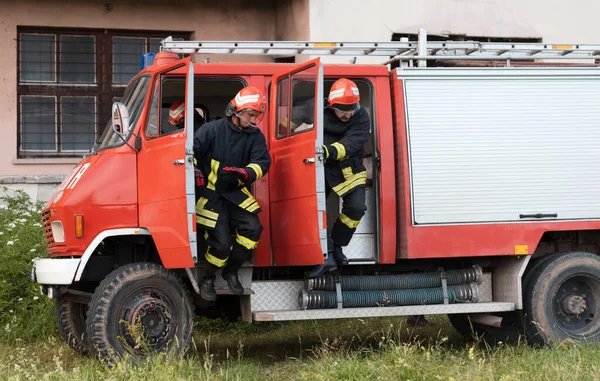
396	282
380	298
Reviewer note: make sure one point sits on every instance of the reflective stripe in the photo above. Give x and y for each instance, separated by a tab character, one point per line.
347	172
250	204
205	222
246	242
214	260
253	207
341	150
195	162
205	212
326	152
354	181
256	168
212	178
349	222
205	217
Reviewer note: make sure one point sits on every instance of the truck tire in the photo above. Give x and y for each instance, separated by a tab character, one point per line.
508	333
139	309
70	319
562	300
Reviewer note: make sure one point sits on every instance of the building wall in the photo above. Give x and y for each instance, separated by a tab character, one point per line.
204	19
354	20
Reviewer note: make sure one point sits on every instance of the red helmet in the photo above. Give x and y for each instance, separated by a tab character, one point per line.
248	98
344	95
176	112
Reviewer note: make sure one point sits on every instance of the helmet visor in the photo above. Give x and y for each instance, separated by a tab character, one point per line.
251	117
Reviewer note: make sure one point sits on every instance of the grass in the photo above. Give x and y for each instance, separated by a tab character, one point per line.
352	349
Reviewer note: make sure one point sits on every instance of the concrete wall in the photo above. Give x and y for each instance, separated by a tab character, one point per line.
377	20
204	19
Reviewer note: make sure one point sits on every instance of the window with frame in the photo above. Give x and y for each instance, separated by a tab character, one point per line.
67	82
211	96
295	103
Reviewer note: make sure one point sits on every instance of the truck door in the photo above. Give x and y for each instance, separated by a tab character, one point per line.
296	177
165	180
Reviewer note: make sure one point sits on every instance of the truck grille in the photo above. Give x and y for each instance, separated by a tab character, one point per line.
47	227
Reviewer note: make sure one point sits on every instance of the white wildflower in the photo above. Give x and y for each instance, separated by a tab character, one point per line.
22	220
17	366
20	299
3	207
36	297
12	225
1	233
37	225
32	251
10	243
26	214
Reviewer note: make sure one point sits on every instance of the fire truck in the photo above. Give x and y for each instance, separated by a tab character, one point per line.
481	196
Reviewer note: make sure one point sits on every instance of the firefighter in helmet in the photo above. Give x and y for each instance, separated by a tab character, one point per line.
177	116
233	151
346	130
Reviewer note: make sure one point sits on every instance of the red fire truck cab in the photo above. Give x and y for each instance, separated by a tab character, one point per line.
481	198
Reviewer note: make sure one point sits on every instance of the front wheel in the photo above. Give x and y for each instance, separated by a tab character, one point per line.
70	319
562	300
139	309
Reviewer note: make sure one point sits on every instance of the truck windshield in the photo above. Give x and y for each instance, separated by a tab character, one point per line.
134	98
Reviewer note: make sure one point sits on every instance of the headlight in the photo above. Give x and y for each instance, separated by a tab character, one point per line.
58	232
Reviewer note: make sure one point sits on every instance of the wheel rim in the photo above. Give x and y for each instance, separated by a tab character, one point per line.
146	321
575	306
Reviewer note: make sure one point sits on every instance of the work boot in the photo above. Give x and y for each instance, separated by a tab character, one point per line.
230	274
339	256
207	285
327	267
207	289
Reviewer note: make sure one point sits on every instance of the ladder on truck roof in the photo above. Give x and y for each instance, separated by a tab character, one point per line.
420	50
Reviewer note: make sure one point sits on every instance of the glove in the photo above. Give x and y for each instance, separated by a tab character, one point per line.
233	177
241	173
199	177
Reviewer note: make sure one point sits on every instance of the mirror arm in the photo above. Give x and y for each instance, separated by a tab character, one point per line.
136	145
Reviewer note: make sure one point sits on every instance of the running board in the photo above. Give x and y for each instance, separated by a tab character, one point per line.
335	313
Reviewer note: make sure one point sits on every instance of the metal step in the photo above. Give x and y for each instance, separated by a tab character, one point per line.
335	313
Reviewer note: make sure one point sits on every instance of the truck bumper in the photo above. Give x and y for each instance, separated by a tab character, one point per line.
54	271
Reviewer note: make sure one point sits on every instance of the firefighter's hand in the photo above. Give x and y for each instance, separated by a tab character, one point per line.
198	177
325	153
233	177
240	173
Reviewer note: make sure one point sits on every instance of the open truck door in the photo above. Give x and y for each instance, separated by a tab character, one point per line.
296	177
165	181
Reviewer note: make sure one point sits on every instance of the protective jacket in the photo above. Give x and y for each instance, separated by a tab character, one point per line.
344	143
219	144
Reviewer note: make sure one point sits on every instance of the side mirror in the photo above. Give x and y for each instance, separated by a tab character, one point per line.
120	119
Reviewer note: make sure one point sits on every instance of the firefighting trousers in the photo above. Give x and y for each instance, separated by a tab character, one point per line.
233	237
353	209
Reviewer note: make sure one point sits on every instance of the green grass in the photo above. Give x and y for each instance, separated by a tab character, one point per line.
352	349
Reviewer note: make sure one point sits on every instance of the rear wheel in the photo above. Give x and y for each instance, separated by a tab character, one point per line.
562	300
70	319
140	309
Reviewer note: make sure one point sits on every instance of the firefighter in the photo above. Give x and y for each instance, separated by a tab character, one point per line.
177	116
346	130
233	152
